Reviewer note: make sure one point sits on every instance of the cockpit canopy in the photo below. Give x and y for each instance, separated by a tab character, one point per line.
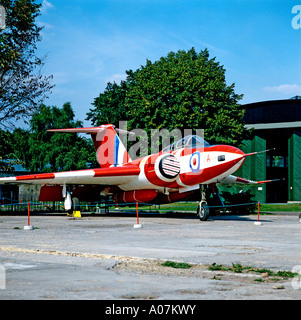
191	141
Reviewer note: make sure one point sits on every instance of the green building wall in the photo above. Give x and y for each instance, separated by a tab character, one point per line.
294	168
253	168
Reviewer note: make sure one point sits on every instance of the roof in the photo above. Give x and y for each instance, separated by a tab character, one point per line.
270	102
273	111
18	168
277	125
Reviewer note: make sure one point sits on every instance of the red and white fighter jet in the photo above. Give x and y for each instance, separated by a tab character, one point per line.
181	171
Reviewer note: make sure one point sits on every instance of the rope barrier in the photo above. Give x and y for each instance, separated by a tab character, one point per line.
186	206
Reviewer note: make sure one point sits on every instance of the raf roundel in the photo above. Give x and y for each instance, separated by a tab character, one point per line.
194	162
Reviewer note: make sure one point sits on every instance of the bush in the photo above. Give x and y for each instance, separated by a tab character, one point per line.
242	202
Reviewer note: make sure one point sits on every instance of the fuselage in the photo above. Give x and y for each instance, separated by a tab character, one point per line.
185	168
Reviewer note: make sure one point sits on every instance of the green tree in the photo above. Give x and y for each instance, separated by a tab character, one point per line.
44	151
186	89
22	86
112	99
7	156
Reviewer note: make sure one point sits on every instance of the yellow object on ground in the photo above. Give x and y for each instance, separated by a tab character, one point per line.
76	214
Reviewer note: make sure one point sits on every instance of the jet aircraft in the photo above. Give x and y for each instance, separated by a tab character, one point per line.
187	169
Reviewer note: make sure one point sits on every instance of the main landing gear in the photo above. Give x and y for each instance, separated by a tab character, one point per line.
70	203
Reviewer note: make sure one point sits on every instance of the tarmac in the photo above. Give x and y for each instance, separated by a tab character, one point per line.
104	257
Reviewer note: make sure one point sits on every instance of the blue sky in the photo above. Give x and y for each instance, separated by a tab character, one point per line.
91	42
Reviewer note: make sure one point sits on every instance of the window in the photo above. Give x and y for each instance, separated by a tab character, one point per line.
221	158
191	141
278	161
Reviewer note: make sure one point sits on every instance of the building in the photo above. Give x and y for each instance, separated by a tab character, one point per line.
275	124
10	193
14	194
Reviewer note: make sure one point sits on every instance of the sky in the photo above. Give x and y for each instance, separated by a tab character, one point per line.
88	43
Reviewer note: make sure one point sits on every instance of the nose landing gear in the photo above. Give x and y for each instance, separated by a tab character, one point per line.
203	211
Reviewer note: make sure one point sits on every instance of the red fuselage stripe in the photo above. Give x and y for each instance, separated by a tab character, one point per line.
116	171
40	176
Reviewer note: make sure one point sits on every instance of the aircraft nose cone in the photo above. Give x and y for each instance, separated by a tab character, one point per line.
232	154
233	150
238	154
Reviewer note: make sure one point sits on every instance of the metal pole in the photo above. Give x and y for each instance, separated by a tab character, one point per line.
258	223
28	213
138	225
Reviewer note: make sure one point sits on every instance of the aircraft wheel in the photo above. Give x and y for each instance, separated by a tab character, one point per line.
203	211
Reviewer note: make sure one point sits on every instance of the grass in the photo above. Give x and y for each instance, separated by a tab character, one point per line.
163	208
291	207
238	268
178	265
192	207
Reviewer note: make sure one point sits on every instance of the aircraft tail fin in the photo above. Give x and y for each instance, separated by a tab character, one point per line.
110	150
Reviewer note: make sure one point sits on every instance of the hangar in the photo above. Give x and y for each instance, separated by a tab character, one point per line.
275	124
10	193
13	194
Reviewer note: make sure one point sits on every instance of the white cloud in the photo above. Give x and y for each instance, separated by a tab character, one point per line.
46	5
45	25
293	89
116	78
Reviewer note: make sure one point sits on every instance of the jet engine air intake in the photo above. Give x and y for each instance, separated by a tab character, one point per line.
169	167
162	170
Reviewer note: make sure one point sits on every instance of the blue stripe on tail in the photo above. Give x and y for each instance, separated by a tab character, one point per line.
116	149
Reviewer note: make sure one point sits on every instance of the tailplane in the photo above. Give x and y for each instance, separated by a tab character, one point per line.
110	150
